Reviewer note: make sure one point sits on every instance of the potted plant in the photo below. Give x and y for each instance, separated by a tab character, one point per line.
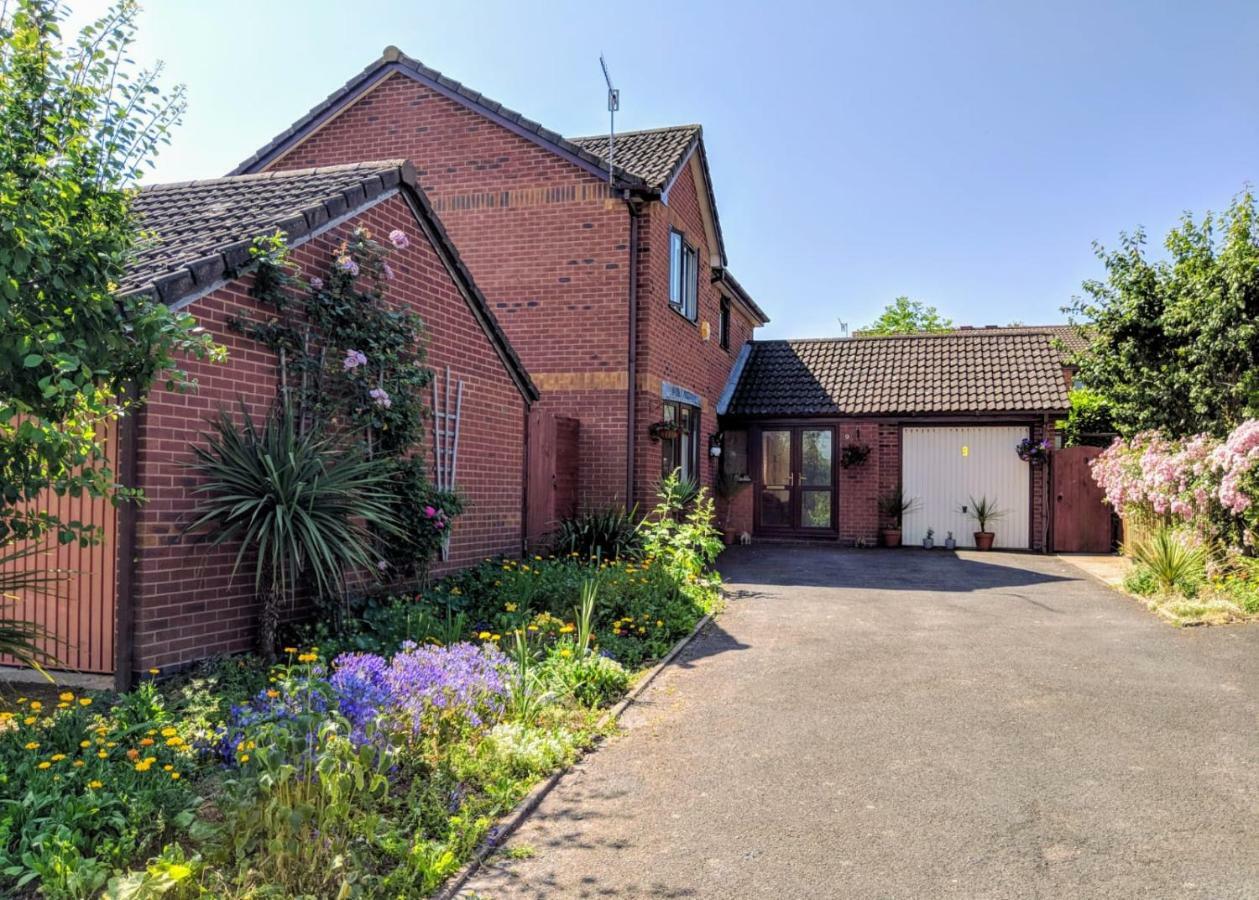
949	542
854	455
893	505
1034	452
663	430
983	511
929	541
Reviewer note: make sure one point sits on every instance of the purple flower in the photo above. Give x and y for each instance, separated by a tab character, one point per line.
380	397
429	512
346	264
399	239
353	359
316	283
382	565
388	271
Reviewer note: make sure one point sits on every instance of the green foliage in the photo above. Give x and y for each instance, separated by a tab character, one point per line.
1173	561
80	123
590	679
893	505
905	316
1175	344
983	511
84	791
1089	422
298	503
609	533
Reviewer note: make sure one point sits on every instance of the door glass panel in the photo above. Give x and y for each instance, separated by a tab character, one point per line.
815	458
776	509
776	459
815	509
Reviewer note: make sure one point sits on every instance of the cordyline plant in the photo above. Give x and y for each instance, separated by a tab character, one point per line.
79	124
305	508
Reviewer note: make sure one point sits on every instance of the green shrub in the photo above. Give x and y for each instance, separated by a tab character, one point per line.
1140	581
592	680
610	533
1175	562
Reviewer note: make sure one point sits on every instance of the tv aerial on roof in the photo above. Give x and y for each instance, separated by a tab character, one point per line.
614	103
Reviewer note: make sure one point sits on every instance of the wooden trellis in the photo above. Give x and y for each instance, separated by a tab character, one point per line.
446	443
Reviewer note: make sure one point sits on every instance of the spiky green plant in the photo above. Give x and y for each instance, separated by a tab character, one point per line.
893	504
18	638
585	615
983	511
1176	563
307	508
609	533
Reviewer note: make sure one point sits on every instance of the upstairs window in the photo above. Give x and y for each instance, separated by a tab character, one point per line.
723	325
683	276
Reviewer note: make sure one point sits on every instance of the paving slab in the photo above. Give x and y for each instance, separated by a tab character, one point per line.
878	723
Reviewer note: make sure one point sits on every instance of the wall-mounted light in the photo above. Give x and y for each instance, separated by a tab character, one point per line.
714	444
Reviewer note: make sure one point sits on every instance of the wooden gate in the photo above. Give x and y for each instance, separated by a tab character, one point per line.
552	473
77	612
1082	518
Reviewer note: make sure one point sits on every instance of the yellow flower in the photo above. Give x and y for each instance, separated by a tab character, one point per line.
95	785
32	745
57	757
566	629
496	637
36	706
272	693
146	742
85	701
78	763
566	653
484	635
244	757
169	731
63	706
290	649
174	776
44	765
307	658
103	754
168	768
30	720
65	697
174	742
660	623
510	607
21	700
155	671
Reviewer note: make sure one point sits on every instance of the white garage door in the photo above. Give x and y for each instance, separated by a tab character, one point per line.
945	466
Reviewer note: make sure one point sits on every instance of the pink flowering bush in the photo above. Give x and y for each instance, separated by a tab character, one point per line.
1205	482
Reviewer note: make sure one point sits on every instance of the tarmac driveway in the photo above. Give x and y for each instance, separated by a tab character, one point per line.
872	723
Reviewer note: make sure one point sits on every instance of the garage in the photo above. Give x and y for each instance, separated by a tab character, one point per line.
944	466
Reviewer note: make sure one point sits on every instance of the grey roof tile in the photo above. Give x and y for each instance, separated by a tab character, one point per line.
952	373
654	154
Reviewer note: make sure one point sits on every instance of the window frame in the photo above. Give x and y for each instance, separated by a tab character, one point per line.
683	276
671	449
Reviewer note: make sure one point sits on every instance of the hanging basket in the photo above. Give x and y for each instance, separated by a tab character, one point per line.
854	455
1031	451
662	431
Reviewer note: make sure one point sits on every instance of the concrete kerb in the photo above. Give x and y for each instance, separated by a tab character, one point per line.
525	808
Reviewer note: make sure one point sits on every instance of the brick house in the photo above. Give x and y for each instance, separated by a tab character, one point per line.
614	290
817	430
175	599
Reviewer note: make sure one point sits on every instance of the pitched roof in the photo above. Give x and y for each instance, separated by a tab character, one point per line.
903	375
654	154
394	60
198	234
1073	339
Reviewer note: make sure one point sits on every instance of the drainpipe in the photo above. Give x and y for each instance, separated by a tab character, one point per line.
635	216
124	583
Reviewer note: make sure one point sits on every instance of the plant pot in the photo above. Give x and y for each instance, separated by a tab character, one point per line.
891	537
928	543
983	540
950	544
727	537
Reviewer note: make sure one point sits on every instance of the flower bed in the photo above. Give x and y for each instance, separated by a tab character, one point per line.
369	765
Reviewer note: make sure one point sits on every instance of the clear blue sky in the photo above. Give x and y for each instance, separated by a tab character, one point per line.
965	154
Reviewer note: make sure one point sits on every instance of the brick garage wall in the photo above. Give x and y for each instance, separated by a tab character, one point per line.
542	238
670	347
187	604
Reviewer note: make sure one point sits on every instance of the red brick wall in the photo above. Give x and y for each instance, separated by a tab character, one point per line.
672	348
541	237
187	604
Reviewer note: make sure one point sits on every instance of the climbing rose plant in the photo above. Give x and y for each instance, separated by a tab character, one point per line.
350	361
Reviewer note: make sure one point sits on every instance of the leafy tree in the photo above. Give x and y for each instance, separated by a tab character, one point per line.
1175	342
1089	421
78	123
905	316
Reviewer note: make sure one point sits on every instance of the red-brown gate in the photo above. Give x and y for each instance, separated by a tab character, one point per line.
552	473
1082	518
